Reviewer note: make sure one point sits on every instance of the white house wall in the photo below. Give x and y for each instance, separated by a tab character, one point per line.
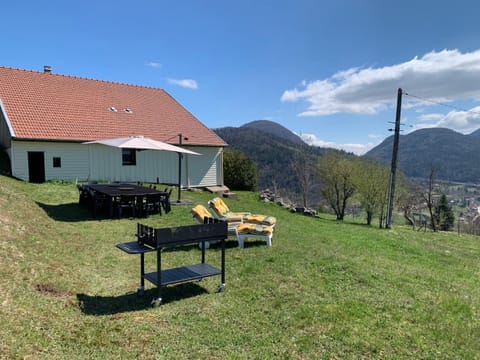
106	165
103	163
152	166
206	170
74	159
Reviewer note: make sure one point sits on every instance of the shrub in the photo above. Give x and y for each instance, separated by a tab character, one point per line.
239	171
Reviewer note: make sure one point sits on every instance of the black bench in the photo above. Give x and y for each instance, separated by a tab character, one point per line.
150	239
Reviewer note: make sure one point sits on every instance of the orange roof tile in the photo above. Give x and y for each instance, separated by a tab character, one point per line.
48	106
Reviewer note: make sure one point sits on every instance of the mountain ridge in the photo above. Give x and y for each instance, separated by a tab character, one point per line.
451	155
274	128
273	148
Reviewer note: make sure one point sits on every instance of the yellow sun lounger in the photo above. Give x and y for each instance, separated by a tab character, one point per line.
248	230
200	212
222	211
241	230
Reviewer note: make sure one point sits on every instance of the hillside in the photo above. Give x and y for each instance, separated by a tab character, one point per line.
324	290
273	148
273	156
452	155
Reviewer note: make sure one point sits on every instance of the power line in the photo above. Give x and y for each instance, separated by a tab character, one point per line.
442	104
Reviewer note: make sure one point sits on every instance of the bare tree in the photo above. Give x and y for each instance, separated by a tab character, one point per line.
272	177
303	165
428	198
409	201
336	176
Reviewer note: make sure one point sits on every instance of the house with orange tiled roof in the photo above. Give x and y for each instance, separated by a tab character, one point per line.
45	119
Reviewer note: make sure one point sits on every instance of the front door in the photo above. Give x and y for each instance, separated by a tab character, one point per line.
36	166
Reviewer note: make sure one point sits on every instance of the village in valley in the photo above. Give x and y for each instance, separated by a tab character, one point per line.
463	198
465	201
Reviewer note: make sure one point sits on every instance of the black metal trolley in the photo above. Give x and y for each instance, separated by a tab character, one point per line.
150	240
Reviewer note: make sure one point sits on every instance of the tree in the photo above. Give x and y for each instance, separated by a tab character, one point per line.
444	214
409	201
335	174
428	197
371	184
303	164
239	171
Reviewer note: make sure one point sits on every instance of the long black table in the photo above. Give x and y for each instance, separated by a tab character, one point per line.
141	200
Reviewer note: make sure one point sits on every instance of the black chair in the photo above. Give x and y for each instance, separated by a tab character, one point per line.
96	202
126	202
83	195
153	204
166	202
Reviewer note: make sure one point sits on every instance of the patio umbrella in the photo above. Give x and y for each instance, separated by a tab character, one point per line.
141	143
145	143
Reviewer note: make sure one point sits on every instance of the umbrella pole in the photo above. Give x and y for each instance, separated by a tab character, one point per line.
179	169
179	176
180	157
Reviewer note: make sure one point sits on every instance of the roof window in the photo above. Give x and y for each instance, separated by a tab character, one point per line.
112	109
128	110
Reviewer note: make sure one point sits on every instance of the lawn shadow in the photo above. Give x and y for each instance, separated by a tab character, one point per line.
254	243
71	212
109	305
232	243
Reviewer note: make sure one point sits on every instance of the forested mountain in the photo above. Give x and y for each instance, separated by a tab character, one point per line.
273	148
275	129
453	156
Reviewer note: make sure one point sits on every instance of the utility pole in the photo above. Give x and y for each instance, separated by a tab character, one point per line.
391	188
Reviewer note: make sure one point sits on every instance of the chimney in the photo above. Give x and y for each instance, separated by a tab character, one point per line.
47	69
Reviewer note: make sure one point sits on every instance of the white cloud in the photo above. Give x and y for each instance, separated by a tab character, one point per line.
422	126
442	76
358	149
461	121
186	83
431	117
154	64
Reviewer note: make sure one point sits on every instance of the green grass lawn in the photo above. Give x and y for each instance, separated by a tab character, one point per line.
324	290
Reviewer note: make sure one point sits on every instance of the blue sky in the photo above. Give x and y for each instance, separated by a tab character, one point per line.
327	70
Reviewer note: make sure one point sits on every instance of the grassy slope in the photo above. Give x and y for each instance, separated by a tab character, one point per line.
324	289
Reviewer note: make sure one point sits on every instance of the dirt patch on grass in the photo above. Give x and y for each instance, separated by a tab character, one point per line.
50	290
